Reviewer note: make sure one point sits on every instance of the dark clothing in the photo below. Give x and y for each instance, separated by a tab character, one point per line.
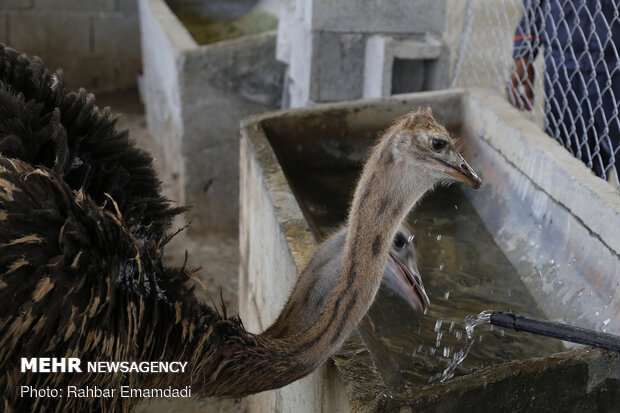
581	40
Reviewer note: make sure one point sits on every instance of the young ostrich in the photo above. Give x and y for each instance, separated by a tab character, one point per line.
310	293
82	225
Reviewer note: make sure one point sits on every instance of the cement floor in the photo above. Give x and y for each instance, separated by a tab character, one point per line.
218	254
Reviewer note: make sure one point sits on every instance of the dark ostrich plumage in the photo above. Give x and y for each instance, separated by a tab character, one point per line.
43	125
82	224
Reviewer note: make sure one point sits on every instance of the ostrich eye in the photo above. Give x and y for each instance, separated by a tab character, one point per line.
438	144
400	241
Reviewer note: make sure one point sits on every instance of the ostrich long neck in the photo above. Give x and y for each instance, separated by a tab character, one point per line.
376	212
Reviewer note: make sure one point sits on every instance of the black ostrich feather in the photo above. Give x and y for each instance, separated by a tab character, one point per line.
43	125
82	225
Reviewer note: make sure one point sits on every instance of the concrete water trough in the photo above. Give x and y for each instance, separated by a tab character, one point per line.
194	95
554	223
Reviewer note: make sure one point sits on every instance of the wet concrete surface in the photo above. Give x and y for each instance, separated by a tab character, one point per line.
217	253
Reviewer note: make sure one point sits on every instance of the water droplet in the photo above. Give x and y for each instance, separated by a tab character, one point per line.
446	296
441	266
439	237
438	324
470	323
438	341
456	206
606	322
597	313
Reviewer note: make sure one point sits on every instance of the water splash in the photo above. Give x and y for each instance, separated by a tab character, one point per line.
470	323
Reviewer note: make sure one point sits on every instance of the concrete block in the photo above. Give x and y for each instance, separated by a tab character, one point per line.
49	32
285	23
92	71
438	70
126	71
297	97
377	68
124	38
76	5
15	4
245	68
127	5
404	64
337	66
372	16
301	55
328	66
303	11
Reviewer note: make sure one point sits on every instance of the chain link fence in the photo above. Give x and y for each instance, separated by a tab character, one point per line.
556	59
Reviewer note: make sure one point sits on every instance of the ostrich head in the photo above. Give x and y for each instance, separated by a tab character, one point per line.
424	146
402	274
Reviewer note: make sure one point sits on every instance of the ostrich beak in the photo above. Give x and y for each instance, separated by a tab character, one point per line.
465	173
407	283
461	170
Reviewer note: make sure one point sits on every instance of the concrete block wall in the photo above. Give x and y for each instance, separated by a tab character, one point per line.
95	42
325	44
415	63
374	16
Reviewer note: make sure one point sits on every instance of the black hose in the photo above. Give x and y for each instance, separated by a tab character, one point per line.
556	330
